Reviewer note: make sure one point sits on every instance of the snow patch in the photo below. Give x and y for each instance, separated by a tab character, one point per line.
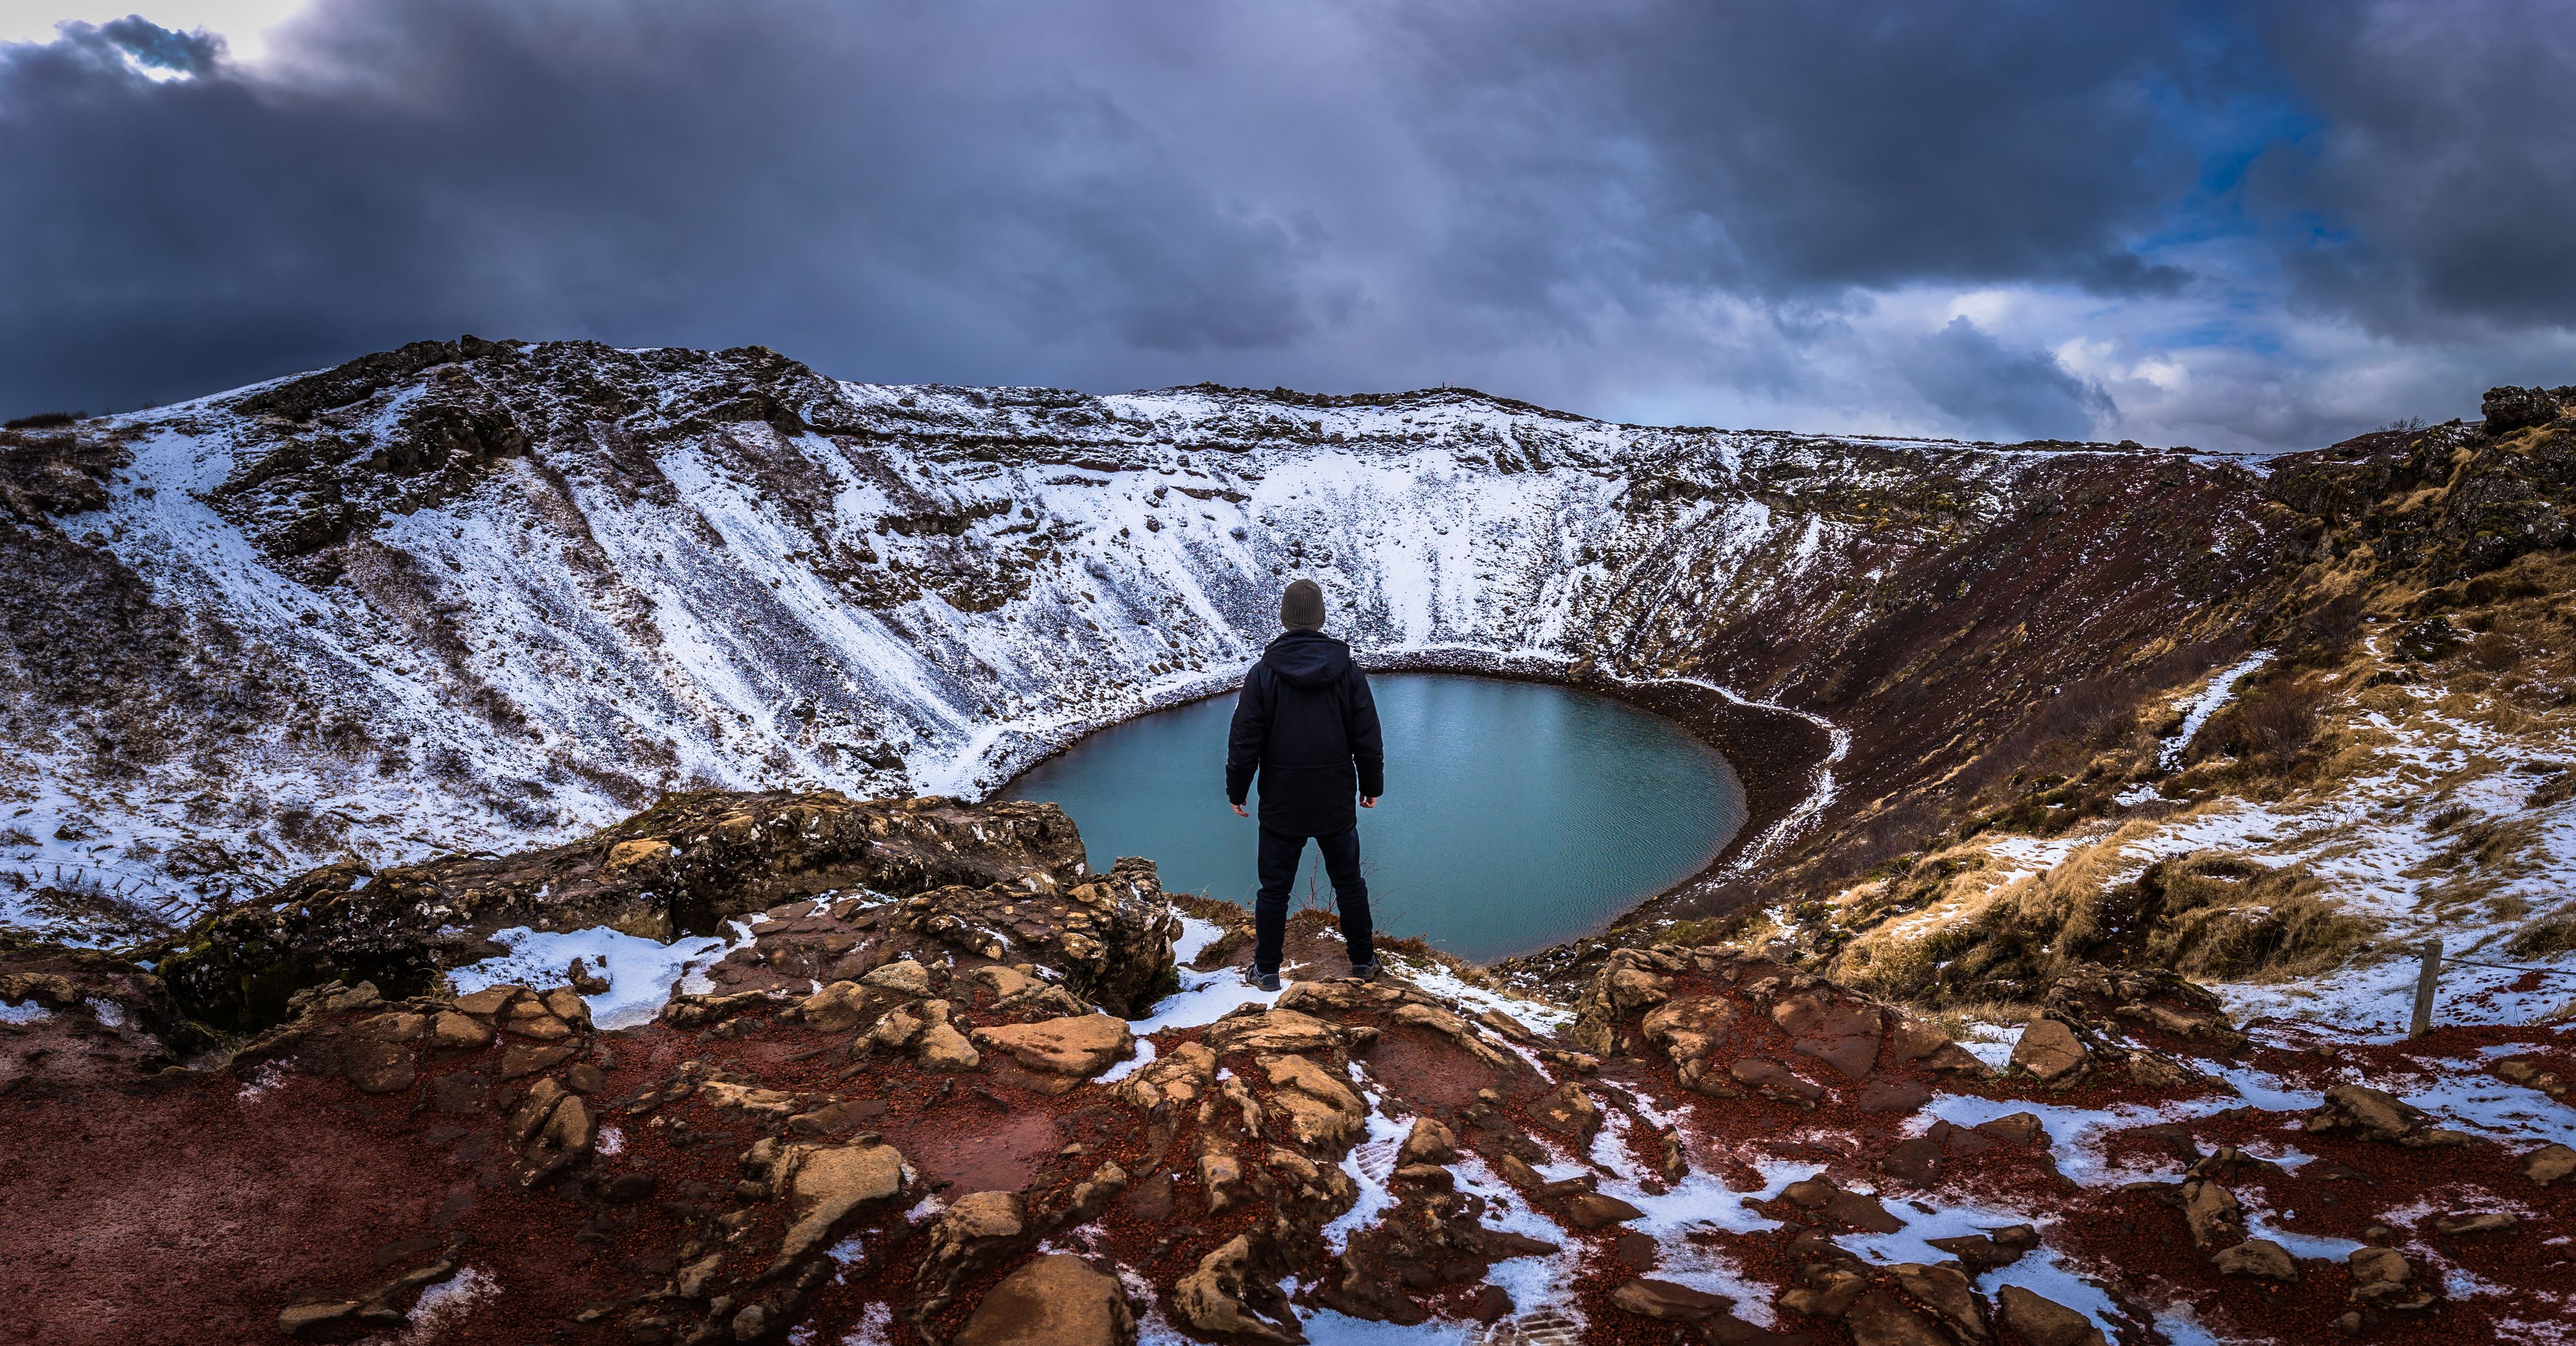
1195	937
642	973
1204	998
2205	705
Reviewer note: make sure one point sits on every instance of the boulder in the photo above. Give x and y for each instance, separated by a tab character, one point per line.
522	1059
1912	1041
2261	1259
2548	1164
1667	1301
1594	1210
2379	1275
1947	1293
943	1048
1222	1177
1319	1110
1687	1028
1428	1142
1916	1163
837	1008
1429	1176
1981	1253
1056	1299
1837	1206
2049	1050
567	1135
1568	1111
1878	1318
2013	1128
1174	1080
583	981
451	1031
897	1029
1841	1034
2216	1220
826	1183
1213	1298
1432	1018
2042	1321
1773	1080
908	977
2364	1113
529	1114
489	1001
374	1066
1076	1048
747	1099
1634	988
980	1216
566	1004
1339	996
2475	1222
2509	409
1881	1093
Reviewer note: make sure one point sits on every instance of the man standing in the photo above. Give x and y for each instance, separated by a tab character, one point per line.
1307	725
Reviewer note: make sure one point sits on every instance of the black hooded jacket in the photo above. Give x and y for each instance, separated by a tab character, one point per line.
1306	723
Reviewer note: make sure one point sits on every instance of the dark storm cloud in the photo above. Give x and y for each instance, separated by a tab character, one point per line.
1784	147
1616	206
2442	183
1976	380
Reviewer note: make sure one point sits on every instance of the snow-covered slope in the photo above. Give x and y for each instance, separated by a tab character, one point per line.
495	595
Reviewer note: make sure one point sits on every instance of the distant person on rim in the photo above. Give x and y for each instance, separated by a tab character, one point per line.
1307	726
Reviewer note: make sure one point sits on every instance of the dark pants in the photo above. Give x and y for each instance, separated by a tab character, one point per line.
1280	852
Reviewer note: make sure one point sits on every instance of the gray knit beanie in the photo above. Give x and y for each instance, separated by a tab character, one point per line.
1302	607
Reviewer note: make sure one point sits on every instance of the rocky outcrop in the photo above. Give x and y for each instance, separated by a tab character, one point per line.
1004	883
2365	1113
1731	1024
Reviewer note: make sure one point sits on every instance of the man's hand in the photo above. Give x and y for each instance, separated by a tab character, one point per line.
1368	801
1238	812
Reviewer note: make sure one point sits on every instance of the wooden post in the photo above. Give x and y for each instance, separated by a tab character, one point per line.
2424	983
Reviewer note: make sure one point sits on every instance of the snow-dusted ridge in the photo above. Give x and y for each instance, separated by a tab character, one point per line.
626	572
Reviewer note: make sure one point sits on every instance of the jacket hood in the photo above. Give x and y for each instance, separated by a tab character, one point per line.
1308	660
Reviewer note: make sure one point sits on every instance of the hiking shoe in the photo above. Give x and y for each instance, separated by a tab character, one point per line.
1365	971
1267	981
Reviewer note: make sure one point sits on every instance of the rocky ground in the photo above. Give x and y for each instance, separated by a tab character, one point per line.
919	1099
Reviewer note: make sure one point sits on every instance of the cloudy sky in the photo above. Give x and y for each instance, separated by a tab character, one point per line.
2244	226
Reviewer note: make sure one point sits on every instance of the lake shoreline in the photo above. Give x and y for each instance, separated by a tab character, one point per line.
1777	756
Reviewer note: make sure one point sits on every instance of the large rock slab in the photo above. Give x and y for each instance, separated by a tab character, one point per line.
1839	1033
2042	1321
827	1183
1273	1030
1075	1048
1055	1300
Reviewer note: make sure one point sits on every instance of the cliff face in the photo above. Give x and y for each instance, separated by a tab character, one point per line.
478	595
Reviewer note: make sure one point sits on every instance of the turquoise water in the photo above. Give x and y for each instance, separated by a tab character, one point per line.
1517	814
